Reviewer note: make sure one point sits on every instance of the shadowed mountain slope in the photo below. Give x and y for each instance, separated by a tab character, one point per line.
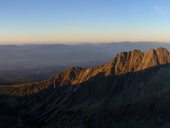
131	91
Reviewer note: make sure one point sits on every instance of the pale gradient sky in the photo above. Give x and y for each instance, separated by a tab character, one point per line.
36	21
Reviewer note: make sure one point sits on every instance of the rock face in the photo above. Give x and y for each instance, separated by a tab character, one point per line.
131	91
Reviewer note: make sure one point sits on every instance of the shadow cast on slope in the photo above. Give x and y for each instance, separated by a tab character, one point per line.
113	101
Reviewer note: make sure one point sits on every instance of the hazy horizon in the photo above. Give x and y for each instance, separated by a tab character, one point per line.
79	42
79	21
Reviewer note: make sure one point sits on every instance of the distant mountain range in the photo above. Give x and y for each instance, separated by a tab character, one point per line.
130	91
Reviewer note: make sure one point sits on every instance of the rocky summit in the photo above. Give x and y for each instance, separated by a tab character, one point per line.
130	91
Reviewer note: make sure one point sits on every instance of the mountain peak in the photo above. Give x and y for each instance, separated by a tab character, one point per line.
136	60
163	55
122	63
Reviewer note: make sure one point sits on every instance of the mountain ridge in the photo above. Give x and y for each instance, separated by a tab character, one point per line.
106	96
122	63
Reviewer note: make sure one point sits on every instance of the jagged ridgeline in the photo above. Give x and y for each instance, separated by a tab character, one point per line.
130	91
123	63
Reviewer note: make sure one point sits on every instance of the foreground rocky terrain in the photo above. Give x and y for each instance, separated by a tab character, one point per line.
130	91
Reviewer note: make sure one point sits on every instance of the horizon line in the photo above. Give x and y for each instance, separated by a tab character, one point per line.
76	43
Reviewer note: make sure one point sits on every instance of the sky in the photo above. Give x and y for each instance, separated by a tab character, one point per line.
77	21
